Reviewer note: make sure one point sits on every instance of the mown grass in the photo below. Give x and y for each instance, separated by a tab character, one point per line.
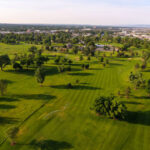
61	117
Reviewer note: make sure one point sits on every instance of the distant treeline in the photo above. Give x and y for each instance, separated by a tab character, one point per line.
75	38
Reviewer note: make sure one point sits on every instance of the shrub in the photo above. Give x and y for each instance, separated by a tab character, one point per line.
77	81
143	66
81	57
69	85
87	66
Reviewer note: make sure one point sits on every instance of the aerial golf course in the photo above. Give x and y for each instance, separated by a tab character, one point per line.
52	116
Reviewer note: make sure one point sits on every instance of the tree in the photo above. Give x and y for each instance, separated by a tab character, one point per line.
75	50
61	68
87	66
68	68
47	41
4	61
77	81
146	56
17	66
89	58
3	86
83	66
12	134
137	66
128	92
102	59
132	77
40	60
57	60
33	49
148	87
104	64
40	75
107	61
143	66
29	61
109	107
137	79
81	57
70	62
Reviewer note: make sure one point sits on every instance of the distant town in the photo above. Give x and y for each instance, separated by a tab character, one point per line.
137	32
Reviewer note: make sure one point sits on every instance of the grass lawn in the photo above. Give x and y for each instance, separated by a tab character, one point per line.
62	118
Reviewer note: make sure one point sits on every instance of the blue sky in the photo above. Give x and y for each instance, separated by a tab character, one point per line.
98	12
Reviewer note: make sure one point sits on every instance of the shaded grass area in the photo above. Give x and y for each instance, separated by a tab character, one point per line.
4	106
49	145
75	87
7	120
139	117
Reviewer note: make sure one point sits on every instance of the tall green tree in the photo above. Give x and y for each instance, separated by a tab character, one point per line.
40	75
109	107
4	61
33	49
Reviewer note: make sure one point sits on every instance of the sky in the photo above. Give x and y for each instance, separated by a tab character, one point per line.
94	12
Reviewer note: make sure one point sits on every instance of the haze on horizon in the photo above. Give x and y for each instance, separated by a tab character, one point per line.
98	12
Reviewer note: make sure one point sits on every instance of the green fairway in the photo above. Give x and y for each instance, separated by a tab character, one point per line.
61	117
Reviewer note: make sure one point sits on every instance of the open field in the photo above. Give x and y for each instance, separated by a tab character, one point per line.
62	117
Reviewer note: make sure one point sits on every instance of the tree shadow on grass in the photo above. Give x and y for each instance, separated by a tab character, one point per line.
95	69
131	102
75	64
85	83
75	87
76	69
147	70
51	70
140	117
8	99
8	81
50	145
7	120
29	72
81	74
34	96
142	97
3	106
